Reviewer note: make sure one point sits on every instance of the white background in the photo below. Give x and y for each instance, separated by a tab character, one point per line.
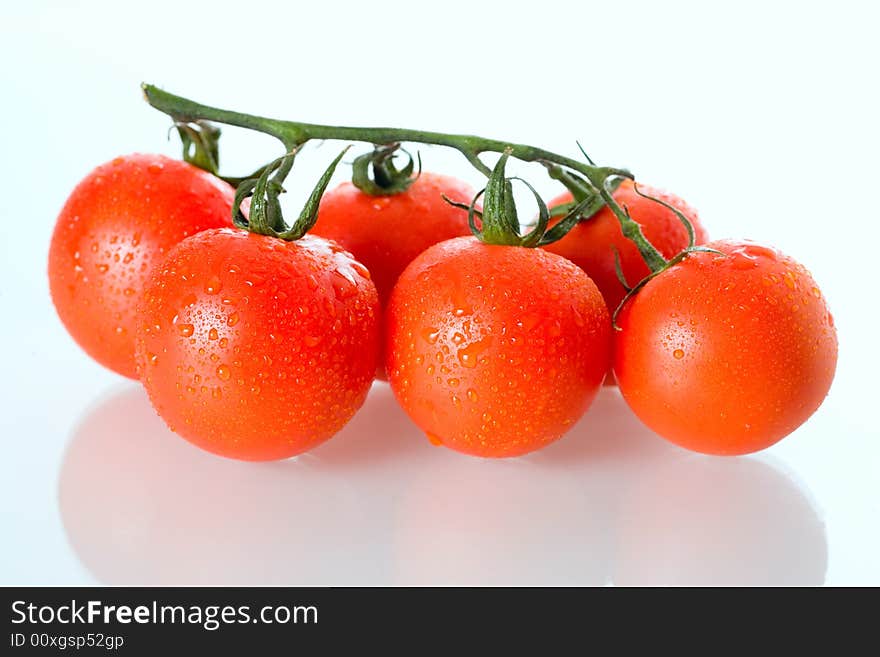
762	115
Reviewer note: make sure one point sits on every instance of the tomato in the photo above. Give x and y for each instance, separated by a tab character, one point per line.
255	348
495	350
726	354
386	232
591	243
115	225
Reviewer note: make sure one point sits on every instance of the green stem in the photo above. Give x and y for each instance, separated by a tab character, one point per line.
294	133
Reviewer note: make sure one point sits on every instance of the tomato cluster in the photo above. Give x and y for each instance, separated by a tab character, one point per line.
256	347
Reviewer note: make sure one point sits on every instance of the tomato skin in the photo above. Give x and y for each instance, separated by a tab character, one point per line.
385	233
255	348
118	221
589	244
726	354
494	350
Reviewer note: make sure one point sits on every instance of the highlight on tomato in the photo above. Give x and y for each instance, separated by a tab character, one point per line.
726	350
259	344
494	348
118	222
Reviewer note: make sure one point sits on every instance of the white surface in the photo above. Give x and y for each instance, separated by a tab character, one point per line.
762	116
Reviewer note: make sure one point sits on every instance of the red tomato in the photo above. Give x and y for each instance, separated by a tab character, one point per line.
386	232
726	354
495	350
255	348
589	244
115	225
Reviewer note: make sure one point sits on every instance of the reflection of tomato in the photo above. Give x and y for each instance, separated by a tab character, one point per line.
718	522
591	243
256	348
726	354
495	350
471	523
118	222
140	506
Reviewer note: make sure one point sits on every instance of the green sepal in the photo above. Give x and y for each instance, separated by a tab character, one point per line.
265	216
386	179
201	144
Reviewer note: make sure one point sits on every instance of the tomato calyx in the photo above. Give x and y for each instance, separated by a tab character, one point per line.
499	220
265	216
655	267
376	174
201	144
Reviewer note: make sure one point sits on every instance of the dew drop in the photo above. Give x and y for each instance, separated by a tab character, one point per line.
213	285
678	354
430	335
223	372
232	320
468	355
185	330
434	439
213	335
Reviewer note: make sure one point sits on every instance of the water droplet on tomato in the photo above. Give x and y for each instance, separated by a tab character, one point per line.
185	330
312	340
343	286
213	285
434	439
232	320
467	356
212	334
360	269
430	335
678	354
472	394
223	372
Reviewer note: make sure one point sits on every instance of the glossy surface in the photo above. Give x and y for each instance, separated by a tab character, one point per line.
610	503
256	348
385	233
117	223
727	354
493	350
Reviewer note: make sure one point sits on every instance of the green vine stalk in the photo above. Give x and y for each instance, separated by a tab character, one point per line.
293	134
